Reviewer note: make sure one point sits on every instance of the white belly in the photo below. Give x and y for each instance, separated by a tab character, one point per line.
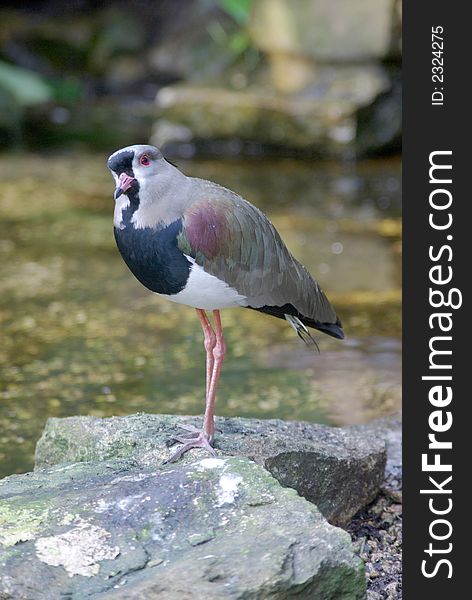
206	291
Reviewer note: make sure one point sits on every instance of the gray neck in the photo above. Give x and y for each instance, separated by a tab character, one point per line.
163	199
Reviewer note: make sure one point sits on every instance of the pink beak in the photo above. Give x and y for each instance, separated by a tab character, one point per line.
126	181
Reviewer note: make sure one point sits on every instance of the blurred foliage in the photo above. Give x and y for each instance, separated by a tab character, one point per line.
120	33
238	9
19	90
25	87
112	57
115	56
237	40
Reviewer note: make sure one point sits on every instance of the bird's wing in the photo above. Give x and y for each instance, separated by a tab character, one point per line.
234	241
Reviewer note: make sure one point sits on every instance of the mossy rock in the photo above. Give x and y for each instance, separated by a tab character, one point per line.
214	527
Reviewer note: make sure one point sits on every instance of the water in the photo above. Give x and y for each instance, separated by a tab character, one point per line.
79	335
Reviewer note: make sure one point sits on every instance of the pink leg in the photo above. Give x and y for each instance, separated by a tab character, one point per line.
209	341
215	350
219	351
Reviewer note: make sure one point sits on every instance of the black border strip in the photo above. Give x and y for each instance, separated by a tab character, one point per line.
429	128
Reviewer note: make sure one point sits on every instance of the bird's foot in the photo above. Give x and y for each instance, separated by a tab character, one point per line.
196	439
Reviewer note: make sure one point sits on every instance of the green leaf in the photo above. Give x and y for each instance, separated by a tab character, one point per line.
238	9
25	87
239	42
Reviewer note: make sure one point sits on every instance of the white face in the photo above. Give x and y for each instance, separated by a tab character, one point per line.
141	163
143	160
162	191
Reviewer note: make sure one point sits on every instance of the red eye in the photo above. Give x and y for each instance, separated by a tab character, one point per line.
144	160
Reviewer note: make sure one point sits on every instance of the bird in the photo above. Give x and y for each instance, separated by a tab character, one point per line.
197	243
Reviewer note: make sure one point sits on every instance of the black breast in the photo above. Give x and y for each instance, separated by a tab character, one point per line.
153	257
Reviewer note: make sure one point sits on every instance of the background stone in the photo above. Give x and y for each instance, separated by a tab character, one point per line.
322	29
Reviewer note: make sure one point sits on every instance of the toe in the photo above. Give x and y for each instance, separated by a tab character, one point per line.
199	441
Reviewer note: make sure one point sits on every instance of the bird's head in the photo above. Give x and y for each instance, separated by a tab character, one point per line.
133	167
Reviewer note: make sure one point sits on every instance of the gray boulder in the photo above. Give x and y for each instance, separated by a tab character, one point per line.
211	528
339	470
388	429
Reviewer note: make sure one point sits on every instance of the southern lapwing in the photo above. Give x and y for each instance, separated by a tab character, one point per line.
197	243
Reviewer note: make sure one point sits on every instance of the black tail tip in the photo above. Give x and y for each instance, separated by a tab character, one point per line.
333	329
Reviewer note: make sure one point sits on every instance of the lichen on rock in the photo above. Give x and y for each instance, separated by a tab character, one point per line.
78	550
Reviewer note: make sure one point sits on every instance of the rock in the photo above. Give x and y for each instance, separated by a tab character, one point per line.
373	596
377	537
396	41
324	30
322	118
388	429
380	124
311	95
340	470
210	528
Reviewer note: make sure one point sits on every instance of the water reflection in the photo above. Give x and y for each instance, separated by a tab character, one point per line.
81	336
